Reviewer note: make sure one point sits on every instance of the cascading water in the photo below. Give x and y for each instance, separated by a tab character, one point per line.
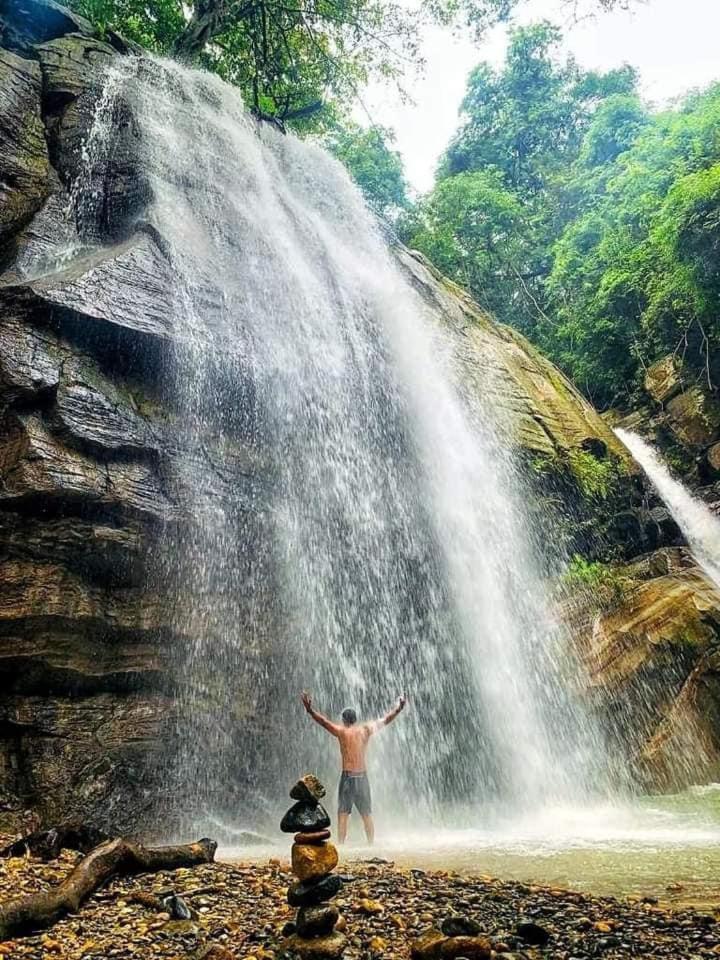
374	542
700	527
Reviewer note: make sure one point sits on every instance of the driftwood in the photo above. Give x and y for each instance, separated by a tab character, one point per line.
113	858
47	844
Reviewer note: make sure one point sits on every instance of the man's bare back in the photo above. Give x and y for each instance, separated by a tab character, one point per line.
353	745
353	739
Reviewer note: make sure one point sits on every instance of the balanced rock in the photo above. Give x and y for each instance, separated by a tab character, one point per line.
319	836
330	947
308	788
314	891
305	817
316	921
312	861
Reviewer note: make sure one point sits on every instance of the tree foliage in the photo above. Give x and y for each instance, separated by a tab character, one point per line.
581	217
523	127
295	59
373	164
635	275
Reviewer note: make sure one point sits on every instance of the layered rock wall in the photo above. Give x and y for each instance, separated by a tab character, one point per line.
95	481
650	642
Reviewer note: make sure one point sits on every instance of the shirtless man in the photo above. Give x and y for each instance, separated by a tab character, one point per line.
353	738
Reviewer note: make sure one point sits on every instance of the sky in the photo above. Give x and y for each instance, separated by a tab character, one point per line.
672	43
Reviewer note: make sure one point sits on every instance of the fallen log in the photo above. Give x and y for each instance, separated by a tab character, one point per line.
113	858
47	844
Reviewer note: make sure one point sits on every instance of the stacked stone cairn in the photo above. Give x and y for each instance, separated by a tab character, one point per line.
313	860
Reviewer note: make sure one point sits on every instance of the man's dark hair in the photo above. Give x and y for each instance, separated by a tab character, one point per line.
349	717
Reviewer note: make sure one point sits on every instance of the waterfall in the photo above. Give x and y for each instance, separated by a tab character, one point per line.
699	526
375	541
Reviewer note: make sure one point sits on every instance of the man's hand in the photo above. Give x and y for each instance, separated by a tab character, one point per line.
401	703
331	727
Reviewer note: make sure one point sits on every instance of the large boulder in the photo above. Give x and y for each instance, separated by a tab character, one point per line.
664	378
694	417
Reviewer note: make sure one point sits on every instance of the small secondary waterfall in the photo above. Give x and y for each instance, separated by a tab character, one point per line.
699	526
375	541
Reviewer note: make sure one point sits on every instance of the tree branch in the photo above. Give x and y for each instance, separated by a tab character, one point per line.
111	859
210	17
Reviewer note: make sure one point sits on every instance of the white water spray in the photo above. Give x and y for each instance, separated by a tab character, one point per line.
699	526
381	545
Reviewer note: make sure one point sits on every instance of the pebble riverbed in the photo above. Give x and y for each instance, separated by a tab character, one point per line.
243	909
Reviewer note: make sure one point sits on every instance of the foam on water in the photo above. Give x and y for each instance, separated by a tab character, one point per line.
639	849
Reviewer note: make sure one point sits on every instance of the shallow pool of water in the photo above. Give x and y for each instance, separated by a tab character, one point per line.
665	847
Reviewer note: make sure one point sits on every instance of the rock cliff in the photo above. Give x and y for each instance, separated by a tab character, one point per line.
94	470
681	416
650	646
654	653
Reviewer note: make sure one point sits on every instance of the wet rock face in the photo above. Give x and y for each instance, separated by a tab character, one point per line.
24	159
681	419
652	667
95	476
30	22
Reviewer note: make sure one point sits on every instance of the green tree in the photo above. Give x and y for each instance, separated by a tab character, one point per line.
615	126
292	59
522	131
471	227
373	164
528	119
635	275
293	62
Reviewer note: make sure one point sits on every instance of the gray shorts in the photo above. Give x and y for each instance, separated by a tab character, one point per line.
354	789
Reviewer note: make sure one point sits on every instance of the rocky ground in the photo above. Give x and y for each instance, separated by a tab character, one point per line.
239	911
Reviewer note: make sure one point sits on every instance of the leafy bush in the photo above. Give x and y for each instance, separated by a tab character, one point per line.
601	580
597	479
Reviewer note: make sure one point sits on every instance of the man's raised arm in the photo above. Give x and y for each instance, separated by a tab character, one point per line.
331	727
389	717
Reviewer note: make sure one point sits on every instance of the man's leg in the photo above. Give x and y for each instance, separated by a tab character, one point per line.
369	828
344	806
364	804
